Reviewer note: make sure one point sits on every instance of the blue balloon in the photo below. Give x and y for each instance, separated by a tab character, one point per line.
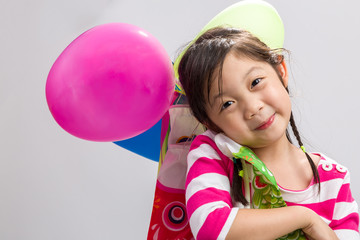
146	144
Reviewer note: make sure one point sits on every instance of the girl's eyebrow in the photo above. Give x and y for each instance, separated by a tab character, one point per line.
253	68
216	97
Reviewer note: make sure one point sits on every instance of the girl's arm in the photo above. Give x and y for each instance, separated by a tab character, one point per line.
270	224
345	220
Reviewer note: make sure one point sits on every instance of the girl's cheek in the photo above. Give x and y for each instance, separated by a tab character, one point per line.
278	95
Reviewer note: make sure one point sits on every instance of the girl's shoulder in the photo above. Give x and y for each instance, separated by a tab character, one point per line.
205	146
206	137
222	144
334	178
330	168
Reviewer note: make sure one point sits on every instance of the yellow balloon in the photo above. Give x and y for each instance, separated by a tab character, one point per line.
256	16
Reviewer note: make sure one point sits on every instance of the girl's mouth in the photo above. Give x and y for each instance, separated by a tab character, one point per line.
267	123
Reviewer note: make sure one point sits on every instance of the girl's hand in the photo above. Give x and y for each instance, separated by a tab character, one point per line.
317	229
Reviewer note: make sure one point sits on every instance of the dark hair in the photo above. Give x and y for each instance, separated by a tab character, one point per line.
203	61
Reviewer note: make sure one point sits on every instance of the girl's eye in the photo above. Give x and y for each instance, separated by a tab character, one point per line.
226	105
255	82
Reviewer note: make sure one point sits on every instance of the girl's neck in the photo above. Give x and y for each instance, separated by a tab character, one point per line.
278	152
288	164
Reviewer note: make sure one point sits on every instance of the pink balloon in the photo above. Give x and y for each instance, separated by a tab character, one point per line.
112	83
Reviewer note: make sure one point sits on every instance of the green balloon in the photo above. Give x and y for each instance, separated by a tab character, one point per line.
256	16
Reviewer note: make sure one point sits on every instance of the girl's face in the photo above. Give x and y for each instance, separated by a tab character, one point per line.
254	107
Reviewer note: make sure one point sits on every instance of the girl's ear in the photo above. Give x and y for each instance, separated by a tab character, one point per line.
282	68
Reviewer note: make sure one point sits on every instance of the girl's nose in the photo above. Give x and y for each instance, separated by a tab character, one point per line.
253	107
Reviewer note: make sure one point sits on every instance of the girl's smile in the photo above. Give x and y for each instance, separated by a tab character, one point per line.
267	123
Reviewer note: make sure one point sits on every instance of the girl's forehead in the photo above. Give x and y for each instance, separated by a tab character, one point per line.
241	66
244	58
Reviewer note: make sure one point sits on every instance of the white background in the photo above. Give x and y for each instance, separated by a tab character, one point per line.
55	186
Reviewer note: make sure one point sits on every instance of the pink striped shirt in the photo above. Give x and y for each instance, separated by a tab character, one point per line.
211	211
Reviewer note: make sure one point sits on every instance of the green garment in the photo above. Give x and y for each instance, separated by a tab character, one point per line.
266	191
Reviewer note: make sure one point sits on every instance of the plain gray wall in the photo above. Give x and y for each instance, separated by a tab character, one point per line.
55	186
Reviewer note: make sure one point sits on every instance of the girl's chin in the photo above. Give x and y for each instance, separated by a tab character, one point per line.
269	140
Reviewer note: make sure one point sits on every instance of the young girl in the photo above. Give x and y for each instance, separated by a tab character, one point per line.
237	87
